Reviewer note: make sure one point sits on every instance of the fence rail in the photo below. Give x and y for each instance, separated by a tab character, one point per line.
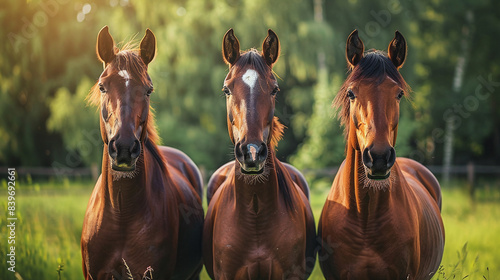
465	169
57	172
435	169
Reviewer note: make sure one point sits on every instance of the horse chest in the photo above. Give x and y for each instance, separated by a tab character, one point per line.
377	249
131	241
254	241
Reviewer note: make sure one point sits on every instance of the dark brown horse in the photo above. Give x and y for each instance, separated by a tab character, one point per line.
259	224
146	206
382	216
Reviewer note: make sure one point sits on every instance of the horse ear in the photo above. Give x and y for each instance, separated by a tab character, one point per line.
148	47
354	49
271	48
230	48
397	50
105	46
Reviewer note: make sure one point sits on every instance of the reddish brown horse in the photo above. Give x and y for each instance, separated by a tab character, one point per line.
146	206
382	216
259	224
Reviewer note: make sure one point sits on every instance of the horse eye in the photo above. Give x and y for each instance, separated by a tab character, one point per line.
101	88
275	91
351	95
150	90
400	95
226	90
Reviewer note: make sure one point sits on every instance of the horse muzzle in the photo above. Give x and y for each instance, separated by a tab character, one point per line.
251	157
124	154
378	164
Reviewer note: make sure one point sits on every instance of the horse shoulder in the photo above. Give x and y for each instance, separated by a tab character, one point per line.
337	195
88	228
208	227
94	212
420	173
431	229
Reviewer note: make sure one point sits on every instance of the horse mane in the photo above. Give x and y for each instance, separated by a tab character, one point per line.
283	187
277	130
374	66
128	58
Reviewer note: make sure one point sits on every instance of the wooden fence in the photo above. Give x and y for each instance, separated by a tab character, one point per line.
470	171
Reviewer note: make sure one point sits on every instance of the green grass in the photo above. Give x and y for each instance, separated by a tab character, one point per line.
50	217
48	229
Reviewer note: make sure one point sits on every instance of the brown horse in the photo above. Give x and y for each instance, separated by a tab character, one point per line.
382	216
145	209
259	224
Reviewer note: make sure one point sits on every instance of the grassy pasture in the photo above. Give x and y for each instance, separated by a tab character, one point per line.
50	217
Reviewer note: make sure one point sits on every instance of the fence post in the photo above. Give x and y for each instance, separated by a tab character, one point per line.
94	170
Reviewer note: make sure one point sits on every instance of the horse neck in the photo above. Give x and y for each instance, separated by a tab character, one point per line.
127	195
364	201
259	196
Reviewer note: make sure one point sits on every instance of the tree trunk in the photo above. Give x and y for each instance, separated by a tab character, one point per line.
457	87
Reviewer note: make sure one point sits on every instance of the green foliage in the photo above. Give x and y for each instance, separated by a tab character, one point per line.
48	65
76	122
323	131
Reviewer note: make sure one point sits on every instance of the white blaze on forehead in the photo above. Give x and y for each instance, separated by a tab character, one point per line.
250	77
125	75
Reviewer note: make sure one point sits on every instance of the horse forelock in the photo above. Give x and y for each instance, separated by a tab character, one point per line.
375	67
254	60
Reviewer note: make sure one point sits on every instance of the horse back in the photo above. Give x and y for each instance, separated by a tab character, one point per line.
182	163
420	173
218	178
298	178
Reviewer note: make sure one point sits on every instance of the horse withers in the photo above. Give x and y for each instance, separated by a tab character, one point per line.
259	224
382	216
145	213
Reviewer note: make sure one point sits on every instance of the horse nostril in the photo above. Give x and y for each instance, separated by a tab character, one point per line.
135	150
367	158
112	149
262	154
238	152
391	158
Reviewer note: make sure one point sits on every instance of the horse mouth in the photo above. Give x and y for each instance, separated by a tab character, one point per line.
252	168
123	167
378	177
252	171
